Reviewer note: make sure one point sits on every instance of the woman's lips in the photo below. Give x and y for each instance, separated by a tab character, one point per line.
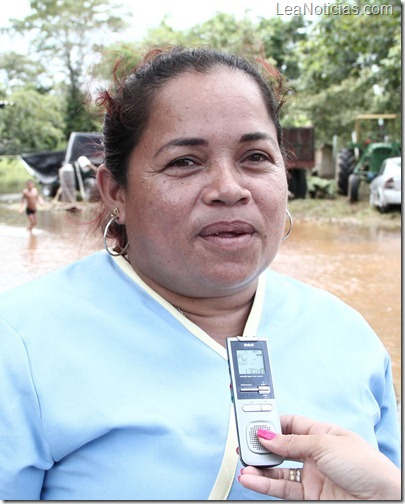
226	229
228	235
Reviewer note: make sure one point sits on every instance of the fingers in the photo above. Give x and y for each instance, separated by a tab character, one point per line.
302	438
292	446
280	487
274	472
296	424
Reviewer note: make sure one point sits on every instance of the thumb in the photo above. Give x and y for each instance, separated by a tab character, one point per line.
291	446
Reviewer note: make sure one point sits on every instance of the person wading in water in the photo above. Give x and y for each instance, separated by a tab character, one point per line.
31	197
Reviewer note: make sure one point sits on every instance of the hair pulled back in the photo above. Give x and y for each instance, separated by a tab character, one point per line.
129	102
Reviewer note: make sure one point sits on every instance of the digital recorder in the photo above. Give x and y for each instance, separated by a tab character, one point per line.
253	398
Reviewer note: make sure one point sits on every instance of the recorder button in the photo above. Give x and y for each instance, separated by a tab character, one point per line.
264	389
251	407
249	389
267	407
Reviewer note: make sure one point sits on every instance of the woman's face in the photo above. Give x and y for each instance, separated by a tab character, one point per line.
206	197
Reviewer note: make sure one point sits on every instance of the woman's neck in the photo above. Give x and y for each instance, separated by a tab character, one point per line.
220	317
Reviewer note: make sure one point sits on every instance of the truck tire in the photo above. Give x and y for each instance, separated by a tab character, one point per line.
353	188
297	183
346	164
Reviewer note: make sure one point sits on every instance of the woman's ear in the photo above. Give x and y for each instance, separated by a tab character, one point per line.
112	194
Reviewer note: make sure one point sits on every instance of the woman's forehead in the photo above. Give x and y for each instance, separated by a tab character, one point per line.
219	88
218	76
216	109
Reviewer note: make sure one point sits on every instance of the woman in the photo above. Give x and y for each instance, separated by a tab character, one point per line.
117	386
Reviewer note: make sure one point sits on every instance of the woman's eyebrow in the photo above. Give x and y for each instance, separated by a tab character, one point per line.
258	135
192	141
180	142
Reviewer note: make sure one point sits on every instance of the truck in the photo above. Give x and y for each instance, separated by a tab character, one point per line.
299	143
46	166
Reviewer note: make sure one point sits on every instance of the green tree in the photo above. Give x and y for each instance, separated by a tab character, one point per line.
350	64
279	39
34	122
68	33
271	38
339	65
19	70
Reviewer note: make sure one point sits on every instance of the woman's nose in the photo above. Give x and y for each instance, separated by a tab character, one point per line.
226	186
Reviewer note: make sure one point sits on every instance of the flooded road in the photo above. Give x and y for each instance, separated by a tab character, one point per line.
362	266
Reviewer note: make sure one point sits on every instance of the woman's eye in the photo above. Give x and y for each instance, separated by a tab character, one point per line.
182	162
182	167
258	161
258	157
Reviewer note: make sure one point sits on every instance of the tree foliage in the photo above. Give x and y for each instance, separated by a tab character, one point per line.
339	65
33	122
18	70
349	65
67	32
65	35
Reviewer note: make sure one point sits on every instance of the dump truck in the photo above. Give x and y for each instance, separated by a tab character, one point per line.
299	143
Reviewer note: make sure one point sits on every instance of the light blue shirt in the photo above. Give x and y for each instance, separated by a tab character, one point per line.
106	394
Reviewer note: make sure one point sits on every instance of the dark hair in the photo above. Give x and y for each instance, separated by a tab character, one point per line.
128	105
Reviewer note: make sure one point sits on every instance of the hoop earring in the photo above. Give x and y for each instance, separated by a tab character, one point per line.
114	216
291	225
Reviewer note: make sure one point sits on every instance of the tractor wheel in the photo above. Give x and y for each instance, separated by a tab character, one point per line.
346	164
353	188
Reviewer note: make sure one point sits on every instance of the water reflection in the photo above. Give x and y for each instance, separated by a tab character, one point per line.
32	242
58	240
360	265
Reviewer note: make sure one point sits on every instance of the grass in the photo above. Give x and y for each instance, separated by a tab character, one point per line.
13	175
339	210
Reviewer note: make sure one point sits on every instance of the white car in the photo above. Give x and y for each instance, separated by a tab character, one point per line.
385	188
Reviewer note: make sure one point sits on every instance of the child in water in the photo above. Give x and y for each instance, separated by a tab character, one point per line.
31	197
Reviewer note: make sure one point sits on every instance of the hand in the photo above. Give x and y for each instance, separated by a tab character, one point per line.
338	465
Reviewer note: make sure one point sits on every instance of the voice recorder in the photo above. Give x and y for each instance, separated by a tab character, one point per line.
253	398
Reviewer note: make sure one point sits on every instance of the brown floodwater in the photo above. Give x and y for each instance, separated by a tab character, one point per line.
360	265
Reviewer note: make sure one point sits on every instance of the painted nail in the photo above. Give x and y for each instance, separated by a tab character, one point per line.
265	434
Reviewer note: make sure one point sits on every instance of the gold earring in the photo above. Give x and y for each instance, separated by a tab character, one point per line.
114	215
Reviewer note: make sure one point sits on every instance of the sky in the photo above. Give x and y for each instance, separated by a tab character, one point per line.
182	13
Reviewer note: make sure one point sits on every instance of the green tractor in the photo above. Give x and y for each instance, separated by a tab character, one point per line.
361	161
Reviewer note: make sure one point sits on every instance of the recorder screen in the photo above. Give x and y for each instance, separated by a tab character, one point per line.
250	362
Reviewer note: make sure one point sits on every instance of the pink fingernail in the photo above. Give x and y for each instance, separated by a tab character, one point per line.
265	434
